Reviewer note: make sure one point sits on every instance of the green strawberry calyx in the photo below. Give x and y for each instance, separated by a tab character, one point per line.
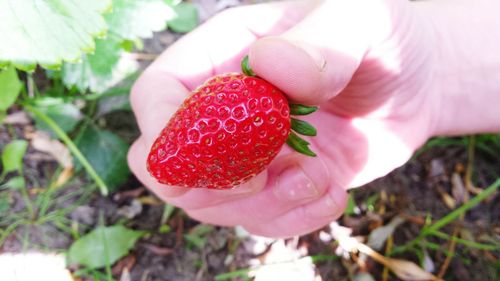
297	126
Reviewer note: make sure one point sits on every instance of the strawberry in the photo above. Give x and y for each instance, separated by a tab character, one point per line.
226	132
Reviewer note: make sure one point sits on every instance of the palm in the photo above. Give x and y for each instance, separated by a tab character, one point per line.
364	131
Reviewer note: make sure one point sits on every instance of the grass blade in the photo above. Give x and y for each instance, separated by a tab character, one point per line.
72	147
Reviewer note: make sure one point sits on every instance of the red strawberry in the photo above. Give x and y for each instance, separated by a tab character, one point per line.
225	133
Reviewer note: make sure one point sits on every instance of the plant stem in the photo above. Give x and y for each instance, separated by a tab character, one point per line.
465	242
72	147
168	209
464	208
449	218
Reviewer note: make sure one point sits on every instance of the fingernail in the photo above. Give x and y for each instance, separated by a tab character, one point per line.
313	52
331	205
294	185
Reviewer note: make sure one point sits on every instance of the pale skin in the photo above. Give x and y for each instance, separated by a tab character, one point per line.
387	75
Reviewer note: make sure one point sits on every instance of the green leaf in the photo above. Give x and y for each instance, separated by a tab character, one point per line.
299	145
107	154
5	202
242	273
66	115
103	246
195	240
12	156
48	32
299	109
10	86
129	21
186	18
113	103
116	98
100	71
165	229
351	205
132	19
302	127
14	183
202	229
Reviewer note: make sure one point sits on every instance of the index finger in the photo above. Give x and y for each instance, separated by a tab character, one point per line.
219	44
216	46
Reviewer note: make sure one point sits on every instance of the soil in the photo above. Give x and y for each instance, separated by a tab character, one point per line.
414	190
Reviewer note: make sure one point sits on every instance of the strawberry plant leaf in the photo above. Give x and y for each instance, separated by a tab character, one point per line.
49	32
12	156
99	71
128	22
107	153
299	145
302	127
103	246
66	115
132	19
10	86
185	19
14	183
299	109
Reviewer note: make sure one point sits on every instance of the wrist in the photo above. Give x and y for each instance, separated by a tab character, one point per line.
465	90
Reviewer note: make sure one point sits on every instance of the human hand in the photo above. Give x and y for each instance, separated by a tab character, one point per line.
365	63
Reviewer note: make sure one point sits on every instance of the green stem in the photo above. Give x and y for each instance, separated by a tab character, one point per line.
436	247
168	209
107	267
426	231
27	201
465	242
72	147
9	230
464	208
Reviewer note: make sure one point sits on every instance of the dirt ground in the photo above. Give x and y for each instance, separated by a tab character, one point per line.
414	191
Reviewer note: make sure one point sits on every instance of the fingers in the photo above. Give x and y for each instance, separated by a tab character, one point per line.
304	219
300	219
154	98
219	45
293	180
315	60
184	197
216	46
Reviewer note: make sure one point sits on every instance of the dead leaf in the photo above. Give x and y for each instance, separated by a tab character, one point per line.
124	265
17	118
458	189
405	270
63	177
125	275
130	211
428	263
42	142
447	199
378	236
150	200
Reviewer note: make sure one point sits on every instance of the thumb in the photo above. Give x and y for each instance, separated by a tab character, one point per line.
316	59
